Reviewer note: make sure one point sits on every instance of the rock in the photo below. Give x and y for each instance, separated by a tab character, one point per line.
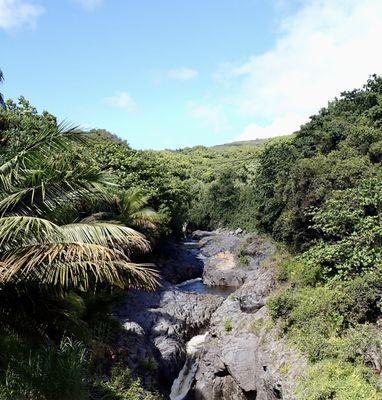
197	235
167	319
179	264
230	260
248	360
222	270
238	231
253	294
257	363
243	357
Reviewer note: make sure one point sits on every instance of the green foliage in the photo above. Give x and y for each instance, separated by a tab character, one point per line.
337	380
349	225
206	187
161	176
320	192
337	150
122	386
54	255
148	366
47	373
228	324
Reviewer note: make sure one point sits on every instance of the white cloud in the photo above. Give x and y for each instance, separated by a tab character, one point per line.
211	116
327	47
15	14
122	100
182	74
286	124
89	4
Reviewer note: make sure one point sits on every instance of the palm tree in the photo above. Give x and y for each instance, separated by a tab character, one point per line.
131	209
2	103
39	187
134	211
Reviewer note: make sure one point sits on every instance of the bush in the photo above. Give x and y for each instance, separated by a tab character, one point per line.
338	380
228	324
331	321
122	386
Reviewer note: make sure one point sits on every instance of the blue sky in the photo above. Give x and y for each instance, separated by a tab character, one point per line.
172	73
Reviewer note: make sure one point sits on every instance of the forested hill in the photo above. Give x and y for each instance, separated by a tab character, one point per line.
177	181
319	192
79	210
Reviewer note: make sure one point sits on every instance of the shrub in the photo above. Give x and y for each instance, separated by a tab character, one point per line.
338	380
122	386
228	324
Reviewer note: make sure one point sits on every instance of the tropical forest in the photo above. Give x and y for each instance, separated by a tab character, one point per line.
241	269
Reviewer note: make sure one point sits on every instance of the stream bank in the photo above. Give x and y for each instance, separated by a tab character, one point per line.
218	282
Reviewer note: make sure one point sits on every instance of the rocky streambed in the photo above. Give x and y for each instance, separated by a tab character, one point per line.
206	329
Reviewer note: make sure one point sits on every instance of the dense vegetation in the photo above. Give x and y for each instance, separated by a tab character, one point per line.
67	247
197	186
71	204
320	192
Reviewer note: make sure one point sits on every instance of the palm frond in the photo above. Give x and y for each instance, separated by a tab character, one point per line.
20	230
70	265
105	234
48	142
134	210
37	191
146	218
86	275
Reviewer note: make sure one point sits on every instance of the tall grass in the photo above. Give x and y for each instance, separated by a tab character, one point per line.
47	373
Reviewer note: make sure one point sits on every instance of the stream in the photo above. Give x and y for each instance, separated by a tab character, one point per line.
182	384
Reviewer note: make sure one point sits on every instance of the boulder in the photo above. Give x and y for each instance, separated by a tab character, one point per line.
197	235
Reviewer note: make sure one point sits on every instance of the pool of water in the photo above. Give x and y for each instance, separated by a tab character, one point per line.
197	286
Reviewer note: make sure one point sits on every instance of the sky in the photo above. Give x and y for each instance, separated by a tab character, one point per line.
176	73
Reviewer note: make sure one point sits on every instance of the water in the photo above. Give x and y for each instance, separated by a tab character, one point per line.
182	384
197	286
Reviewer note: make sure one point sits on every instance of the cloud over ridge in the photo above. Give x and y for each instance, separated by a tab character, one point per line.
327	47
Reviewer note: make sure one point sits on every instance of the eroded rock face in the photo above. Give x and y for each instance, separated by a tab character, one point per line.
245	358
231	259
166	320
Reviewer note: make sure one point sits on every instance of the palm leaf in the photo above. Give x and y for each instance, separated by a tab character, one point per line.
50	141
105	234
19	229
72	265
